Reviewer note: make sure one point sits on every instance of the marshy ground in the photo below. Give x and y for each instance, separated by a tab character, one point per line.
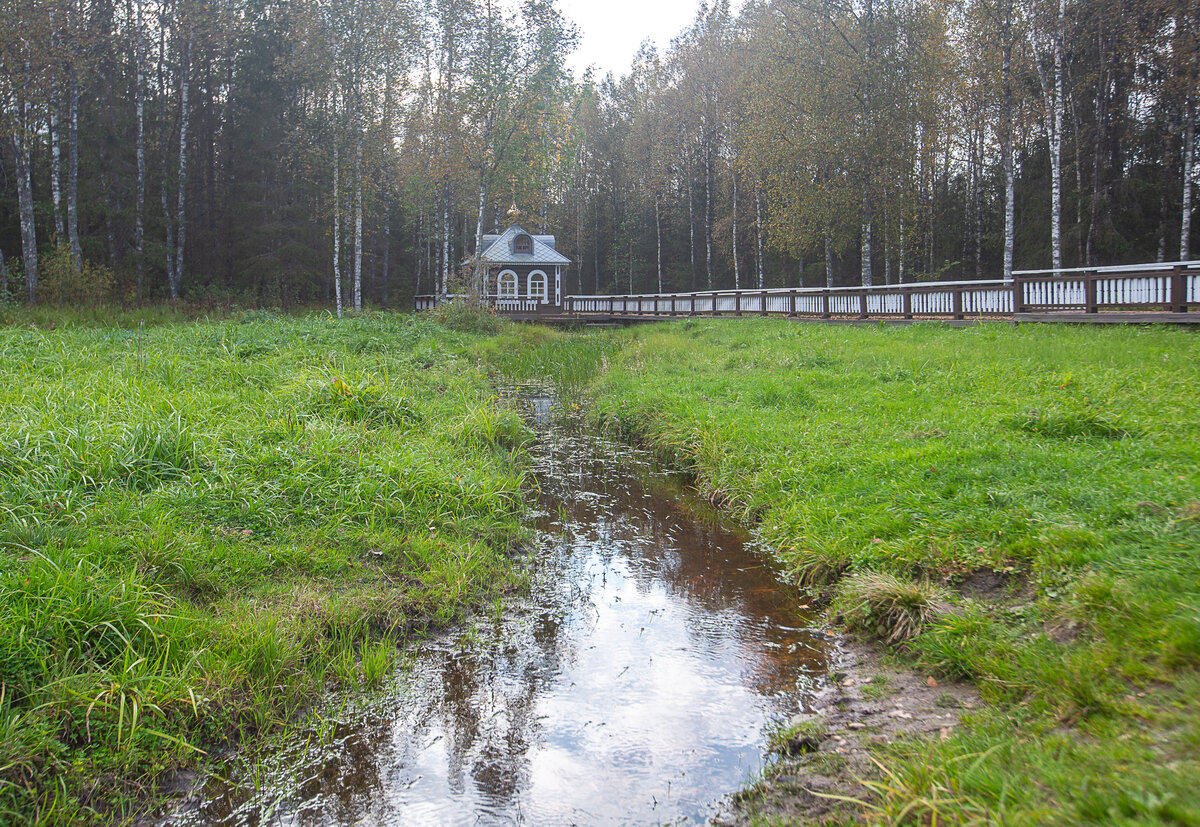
205	524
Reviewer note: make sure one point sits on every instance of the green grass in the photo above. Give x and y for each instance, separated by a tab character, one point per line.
204	526
1066	459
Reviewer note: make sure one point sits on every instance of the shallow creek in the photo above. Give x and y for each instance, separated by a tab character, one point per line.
636	684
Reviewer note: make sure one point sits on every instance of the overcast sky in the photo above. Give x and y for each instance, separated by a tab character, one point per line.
612	30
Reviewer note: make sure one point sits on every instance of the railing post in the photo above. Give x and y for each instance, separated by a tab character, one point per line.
1089	291
1179	302
737	303
957	302
906	299
1018	295
764	302
791	302
862	303
825	303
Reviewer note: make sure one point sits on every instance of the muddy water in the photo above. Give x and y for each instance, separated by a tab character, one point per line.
635	685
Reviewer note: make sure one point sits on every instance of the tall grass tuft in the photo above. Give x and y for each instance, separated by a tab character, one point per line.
888	607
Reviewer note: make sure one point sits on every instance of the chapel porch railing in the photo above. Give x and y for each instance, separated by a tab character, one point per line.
522	304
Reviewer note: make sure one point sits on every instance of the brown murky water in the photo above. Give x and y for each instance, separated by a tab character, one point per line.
636	684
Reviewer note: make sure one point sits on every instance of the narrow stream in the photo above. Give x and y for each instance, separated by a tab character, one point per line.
635	685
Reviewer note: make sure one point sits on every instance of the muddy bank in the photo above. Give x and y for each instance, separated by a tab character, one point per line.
868	701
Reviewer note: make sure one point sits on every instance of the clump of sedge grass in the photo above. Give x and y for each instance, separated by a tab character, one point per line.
889	607
818	566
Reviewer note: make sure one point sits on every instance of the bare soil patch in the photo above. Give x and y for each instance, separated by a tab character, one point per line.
868	702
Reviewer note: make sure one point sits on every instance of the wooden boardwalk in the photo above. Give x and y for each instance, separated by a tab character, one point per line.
1135	294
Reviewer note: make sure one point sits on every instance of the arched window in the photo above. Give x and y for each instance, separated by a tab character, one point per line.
506	285
537	285
522	243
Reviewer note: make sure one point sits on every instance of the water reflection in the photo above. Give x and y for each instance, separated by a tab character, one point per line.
633	686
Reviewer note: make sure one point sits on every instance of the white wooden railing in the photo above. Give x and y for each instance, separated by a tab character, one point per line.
1172	287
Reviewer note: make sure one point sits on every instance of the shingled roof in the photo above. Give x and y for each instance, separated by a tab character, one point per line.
498	249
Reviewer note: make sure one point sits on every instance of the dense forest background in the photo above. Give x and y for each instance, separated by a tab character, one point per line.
352	152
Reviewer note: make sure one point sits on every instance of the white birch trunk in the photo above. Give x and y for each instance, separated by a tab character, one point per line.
56	169
658	238
420	243
737	273
691	231
1189	178
337	222
1006	149
758	235
887	248
358	221
1056	143
387	250
978	205
828	257
185	69
480	270
168	220
900	254
139	232
73	173
445	275
708	215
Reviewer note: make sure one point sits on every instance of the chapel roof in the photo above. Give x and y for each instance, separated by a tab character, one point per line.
498	249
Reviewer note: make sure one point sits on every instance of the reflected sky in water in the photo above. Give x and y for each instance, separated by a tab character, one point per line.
633	686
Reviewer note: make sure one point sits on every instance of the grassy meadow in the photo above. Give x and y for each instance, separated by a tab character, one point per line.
1019	507
204	526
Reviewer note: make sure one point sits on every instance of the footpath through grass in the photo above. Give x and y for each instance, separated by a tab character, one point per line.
1015	506
204	526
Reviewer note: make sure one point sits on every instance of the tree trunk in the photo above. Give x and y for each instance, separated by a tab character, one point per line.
1189	174
758	235
139	232
419	243
828	257
73	172
868	271
1056	143
737	273
3	278
443	287
54	137
185	68
691	232
337	222
708	215
900	253
658	239
387	250
978	206
1006	145
29	253
358	217
887	248
163	143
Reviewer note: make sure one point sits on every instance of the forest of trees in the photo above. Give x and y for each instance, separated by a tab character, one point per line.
351	152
